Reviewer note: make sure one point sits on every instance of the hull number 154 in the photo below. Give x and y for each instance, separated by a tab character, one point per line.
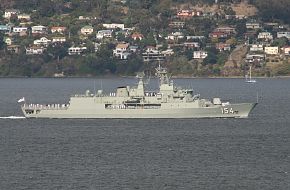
227	111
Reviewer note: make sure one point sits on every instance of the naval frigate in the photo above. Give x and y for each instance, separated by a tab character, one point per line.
169	101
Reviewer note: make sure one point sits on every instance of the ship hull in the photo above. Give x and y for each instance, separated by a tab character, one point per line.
98	111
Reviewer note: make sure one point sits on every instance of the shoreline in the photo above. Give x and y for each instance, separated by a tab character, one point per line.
116	76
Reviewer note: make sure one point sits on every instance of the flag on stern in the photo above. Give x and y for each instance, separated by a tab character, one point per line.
21	100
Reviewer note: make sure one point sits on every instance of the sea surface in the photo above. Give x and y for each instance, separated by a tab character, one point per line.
169	154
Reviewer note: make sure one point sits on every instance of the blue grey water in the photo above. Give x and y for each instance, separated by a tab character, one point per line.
252	153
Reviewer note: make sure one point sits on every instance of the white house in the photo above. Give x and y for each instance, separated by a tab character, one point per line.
5	28
195	37
255	58
19	29
104	34
152	54
175	36
191	45
121	51
133	49
58	39
76	50
42	41
265	36
271	50
256	47
283	34
34	50
286	50
8	41
23	17
253	25
87	30
167	52
97	46
10	12
199	54
114	26
38	29
58	29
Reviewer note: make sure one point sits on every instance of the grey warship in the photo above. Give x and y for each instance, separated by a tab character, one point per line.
169	101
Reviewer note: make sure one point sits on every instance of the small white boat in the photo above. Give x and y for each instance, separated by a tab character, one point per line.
250	80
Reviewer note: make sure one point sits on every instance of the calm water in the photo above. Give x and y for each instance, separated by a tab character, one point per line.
251	153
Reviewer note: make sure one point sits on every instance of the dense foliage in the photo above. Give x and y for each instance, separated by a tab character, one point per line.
151	18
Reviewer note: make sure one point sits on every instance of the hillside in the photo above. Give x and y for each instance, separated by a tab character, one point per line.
119	37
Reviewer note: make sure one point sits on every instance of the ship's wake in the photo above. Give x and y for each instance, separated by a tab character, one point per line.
12	117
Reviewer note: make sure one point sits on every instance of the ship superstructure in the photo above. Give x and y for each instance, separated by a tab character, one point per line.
168	101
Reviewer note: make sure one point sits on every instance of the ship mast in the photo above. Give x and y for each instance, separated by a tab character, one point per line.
162	74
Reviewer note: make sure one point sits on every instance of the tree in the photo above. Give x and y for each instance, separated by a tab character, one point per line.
211	56
2	44
58	51
280	42
274	9
210	59
241	28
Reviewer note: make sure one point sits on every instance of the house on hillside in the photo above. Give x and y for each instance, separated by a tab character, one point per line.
136	36
256	58
218	35
188	13
267	36
58	29
184	14
167	52
58	39
104	34
87	30
191	45
76	50
253	25
195	37
256	47
42	42
10	12
152	54
133	49
97	46
114	26
226	29
13	48
175	36
8	41
286	50
22	31
24	17
5	28
283	34
199	54
176	24
122	51
223	47
126	33
232	17
34	50
271	50
36	30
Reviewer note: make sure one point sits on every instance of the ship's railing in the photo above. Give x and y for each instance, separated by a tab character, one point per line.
46	106
112	94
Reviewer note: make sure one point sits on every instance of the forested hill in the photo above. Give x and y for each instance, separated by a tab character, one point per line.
268	9
192	37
